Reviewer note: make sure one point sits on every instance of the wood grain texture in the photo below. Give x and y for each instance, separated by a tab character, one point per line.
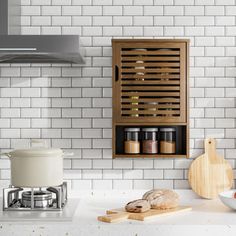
210	174
150	86
149	69
118	215
114	217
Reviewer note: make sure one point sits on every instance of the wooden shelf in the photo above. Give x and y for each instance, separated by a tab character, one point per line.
148	156
150	89
150	124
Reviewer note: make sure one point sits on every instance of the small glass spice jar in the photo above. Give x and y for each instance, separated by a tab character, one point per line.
132	144
134	103
167	140
150	142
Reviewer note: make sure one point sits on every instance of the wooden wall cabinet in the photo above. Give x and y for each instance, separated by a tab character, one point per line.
150	89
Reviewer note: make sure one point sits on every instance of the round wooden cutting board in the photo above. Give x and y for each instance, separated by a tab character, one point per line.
210	174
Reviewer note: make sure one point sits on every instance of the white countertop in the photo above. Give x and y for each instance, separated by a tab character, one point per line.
208	217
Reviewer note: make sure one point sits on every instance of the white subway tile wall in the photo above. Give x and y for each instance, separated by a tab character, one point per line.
69	106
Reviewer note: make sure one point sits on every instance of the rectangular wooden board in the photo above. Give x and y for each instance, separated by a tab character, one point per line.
151	213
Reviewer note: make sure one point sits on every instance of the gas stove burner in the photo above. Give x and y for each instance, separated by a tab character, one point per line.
51	198
42	199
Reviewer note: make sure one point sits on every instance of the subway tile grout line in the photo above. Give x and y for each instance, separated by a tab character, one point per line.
207	42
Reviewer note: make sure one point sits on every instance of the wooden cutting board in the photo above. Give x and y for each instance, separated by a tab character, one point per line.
210	174
118	215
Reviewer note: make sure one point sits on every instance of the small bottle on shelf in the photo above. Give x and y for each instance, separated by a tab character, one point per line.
134	104
132	144
168	140
150	143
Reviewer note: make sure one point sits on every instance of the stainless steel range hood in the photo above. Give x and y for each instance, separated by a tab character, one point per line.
16	48
40	49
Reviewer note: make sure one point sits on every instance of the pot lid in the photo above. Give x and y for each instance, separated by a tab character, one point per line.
37	152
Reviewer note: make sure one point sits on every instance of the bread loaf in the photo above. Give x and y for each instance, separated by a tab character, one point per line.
162	198
138	206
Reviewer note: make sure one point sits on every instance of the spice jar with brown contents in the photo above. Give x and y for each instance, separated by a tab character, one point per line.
149	143
168	140
132	144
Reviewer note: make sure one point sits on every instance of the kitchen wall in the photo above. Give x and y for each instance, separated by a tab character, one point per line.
70	106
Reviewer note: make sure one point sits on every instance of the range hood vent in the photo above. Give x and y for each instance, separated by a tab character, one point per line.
40	49
16	48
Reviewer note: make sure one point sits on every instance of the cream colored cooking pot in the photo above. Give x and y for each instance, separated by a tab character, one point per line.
36	167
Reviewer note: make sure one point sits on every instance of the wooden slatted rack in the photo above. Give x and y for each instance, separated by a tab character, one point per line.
150	86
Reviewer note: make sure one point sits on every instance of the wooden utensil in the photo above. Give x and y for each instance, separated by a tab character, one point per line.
118	215
210	174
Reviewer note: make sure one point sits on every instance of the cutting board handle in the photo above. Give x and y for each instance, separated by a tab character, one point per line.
210	148
114	217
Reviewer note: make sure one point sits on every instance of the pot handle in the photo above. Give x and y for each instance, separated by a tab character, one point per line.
8	154
68	154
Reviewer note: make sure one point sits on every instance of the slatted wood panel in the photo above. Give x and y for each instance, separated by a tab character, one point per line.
149	81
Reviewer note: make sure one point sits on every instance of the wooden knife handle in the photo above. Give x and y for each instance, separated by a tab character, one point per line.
114	217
